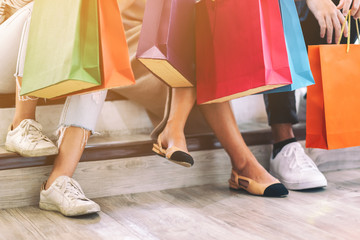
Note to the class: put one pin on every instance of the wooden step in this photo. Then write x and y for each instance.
(109, 167)
(115, 166)
(20, 187)
(8, 100)
(105, 148)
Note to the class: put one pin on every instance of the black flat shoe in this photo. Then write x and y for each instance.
(173, 154)
(275, 189)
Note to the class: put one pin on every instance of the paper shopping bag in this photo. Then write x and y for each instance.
(63, 48)
(167, 42)
(333, 103)
(114, 49)
(296, 49)
(114, 54)
(240, 49)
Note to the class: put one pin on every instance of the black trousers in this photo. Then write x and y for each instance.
(281, 107)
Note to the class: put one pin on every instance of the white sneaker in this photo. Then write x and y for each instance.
(28, 140)
(295, 169)
(66, 196)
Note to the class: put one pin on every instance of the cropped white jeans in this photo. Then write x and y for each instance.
(79, 111)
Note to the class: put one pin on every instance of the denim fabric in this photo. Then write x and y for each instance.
(281, 108)
(302, 9)
(83, 110)
(80, 110)
(11, 32)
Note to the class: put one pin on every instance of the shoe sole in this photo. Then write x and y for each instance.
(51, 207)
(156, 150)
(301, 186)
(33, 153)
(239, 188)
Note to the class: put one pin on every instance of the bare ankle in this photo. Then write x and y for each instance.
(52, 179)
(172, 131)
(48, 184)
(239, 165)
(16, 122)
(173, 136)
(242, 160)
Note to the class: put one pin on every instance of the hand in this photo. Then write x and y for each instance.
(329, 18)
(345, 6)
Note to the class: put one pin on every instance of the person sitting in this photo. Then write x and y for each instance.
(79, 116)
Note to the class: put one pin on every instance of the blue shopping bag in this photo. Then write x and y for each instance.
(298, 58)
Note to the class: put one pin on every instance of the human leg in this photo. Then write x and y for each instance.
(281, 112)
(171, 141)
(24, 135)
(244, 164)
(11, 32)
(60, 192)
(289, 163)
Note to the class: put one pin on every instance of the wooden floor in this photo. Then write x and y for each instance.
(203, 212)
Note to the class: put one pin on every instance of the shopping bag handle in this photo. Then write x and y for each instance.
(348, 21)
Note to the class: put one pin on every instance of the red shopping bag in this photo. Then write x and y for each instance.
(240, 49)
(114, 54)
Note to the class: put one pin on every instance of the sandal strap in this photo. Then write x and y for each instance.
(169, 151)
(253, 187)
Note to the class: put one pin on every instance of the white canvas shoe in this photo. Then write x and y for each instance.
(28, 140)
(295, 169)
(66, 196)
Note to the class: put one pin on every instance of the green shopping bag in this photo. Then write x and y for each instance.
(63, 48)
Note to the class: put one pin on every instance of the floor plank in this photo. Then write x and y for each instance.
(33, 223)
(203, 212)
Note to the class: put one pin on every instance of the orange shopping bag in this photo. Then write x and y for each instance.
(114, 54)
(333, 103)
(116, 66)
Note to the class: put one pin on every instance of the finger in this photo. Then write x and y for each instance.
(322, 24)
(355, 7)
(342, 21)
(329, 30)
(357, 15)
(337, 28)
(346, 7)
(341, 4)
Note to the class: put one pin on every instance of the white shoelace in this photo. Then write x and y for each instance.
(301, 161)
(34, 132)
(71, 190)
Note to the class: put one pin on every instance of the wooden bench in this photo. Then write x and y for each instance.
(8, 100)
(116, 150)
(117, 162)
